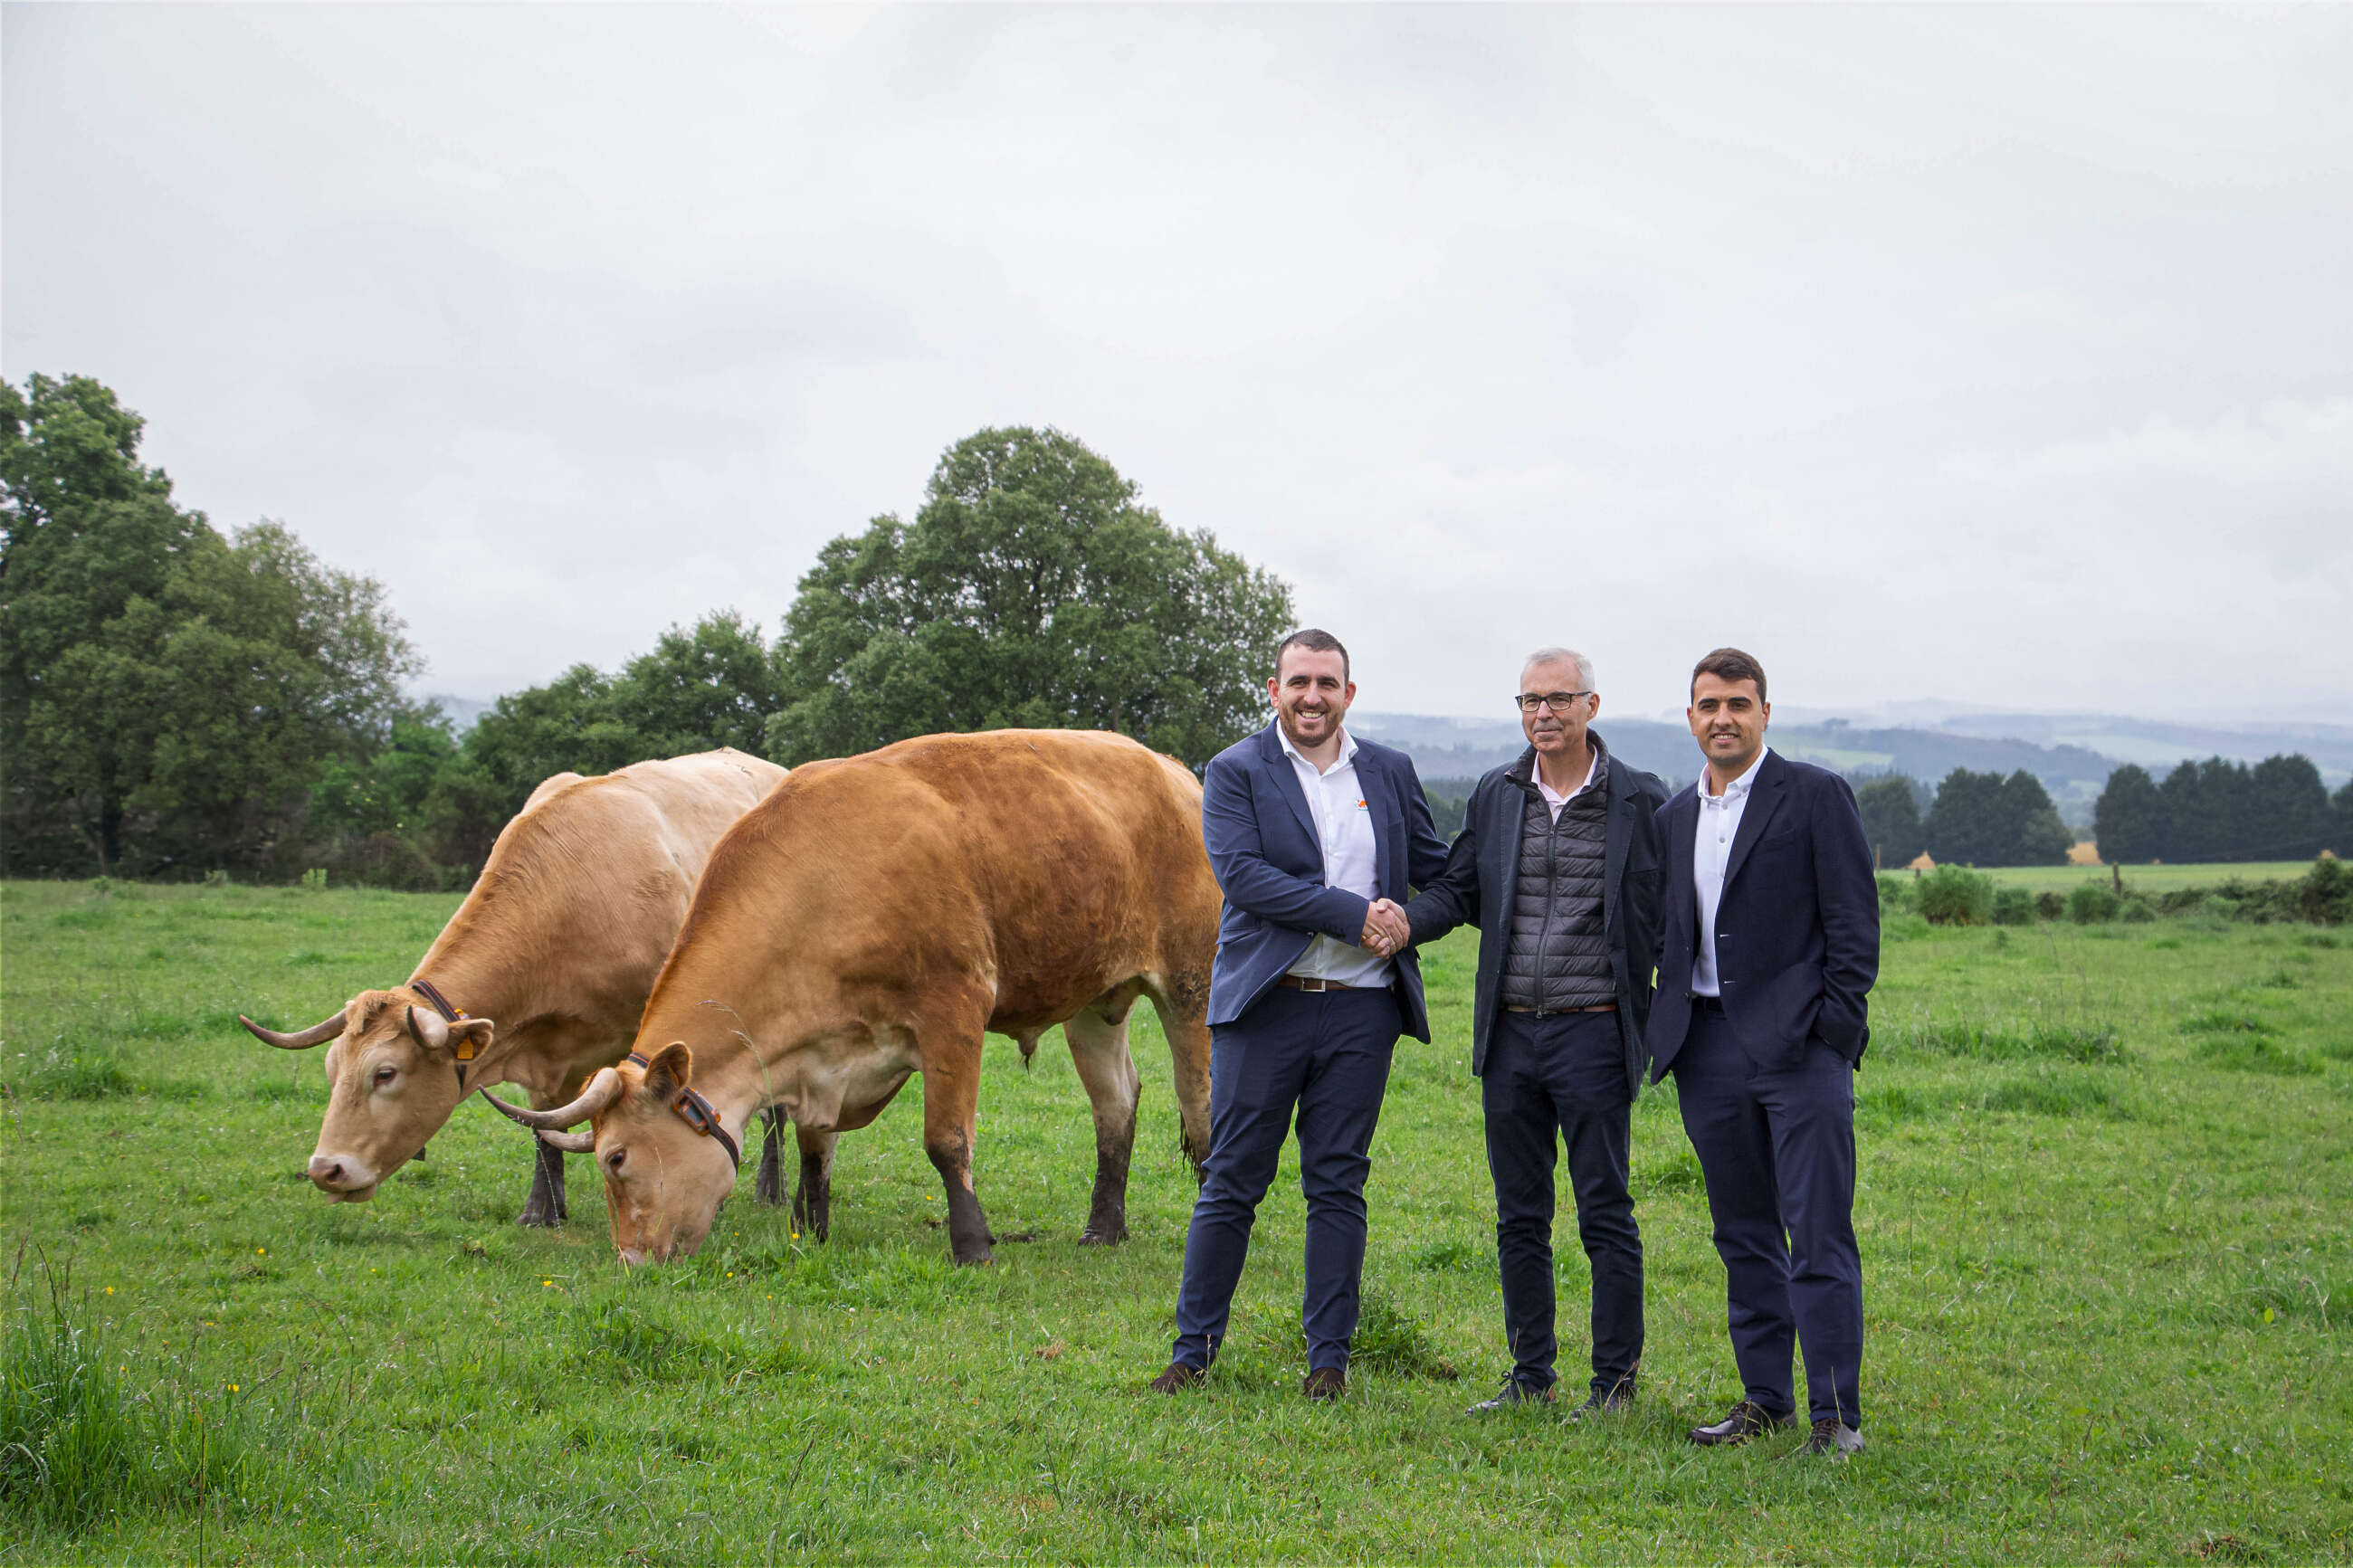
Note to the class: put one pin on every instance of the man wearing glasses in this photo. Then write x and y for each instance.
(1558, 865)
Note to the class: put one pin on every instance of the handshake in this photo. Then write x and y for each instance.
(1386, 930)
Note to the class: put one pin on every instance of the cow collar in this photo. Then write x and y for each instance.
(463, 1047)
(697, 1113)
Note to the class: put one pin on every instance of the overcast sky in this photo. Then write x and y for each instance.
(1996, 355)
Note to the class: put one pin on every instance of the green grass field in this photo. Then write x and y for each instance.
(2147, 878)
(2106, 1181)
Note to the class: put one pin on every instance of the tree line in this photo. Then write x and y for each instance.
(2278, 809)
(2216, 810)
(1971, 819)
(175, 701)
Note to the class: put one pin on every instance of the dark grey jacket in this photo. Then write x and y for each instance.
(1481, 878)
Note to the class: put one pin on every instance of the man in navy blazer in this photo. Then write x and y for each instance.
(1316, 837)
(1769, 946)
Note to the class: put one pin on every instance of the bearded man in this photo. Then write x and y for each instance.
(1314, 836)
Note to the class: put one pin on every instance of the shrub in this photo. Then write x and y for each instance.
(2013, 907)
(1950, 895)
(1895, 893)
(2050, 906)
(2325, 896)
(2091, 904)
(2135, 912)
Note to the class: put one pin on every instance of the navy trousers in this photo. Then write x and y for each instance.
(1777, 1148)
(1551, 1082)
(1324, 1056)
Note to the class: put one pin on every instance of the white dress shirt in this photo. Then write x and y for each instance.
(1553, 797)
(1719, 825)
(1344, 826)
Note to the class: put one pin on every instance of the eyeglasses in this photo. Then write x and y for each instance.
(1558, 701)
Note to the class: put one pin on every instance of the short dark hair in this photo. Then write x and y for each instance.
(1314, 640)
(1730, 663)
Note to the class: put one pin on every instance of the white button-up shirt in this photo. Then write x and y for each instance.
(1719, 825)
(1344, 826)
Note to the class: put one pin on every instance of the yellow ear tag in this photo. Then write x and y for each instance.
(466, 1048)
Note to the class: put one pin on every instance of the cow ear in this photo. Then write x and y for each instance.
(469, 1037)
(667, 1073)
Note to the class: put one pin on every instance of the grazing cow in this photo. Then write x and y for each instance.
(540, 976)
(869, 921)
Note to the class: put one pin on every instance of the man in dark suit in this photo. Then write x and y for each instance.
(1769, 949)
(1307, 828)
(1558, 865)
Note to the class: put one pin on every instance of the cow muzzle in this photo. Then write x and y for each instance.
(343, 1178)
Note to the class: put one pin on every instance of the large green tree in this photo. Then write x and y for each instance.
(2128, 819)
(1891, 820)
(167, 696)
(2287, 811)
(1984, 819)
(1032, 590)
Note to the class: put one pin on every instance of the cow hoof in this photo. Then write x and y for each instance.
(540, 1220)
(975, 1259)
(1096, 1236)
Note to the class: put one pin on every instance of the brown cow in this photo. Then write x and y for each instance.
(547, 962)
(869, 921)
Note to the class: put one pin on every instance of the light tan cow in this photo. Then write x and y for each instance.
(869, 921)
(547, 962)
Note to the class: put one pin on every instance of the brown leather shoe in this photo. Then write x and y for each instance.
(1325, 1384)
(1747, 1419)
(1177, 1378)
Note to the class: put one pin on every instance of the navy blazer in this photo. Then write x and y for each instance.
(1797, 930)
(1270, 864)
(1483, 874)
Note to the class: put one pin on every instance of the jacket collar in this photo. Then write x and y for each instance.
(1523, 771)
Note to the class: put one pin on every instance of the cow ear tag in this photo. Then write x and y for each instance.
(466, 1048)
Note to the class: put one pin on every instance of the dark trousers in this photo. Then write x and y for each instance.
(1562, 1079)
(1325, 1055)
(1777, 1148)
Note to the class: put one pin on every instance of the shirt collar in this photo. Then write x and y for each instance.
(1739, 788)
(1347, 749)
(1596, 771)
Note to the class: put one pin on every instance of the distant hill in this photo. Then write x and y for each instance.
(2072, 755)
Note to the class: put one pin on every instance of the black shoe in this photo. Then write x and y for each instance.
(1831, 1439)
(1749, 1419)
(1178, 1377)
(1515, 1395)
(1325, 1384)
(1615, 1400)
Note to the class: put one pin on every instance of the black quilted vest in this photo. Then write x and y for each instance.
(1558, 955)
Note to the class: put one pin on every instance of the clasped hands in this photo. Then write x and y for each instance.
(1386, 931)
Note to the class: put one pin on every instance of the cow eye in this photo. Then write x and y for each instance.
(385, 1074)
(613, 1161)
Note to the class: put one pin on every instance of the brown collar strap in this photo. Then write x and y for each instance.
(697, 1113)
(463, 1047)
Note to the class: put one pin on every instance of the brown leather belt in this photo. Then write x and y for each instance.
(1556, 1012)
(1300, 982)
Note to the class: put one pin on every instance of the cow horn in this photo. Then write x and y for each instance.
(302, 1041)
(432, 1031)
(570, 1143)
(602, 1090)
